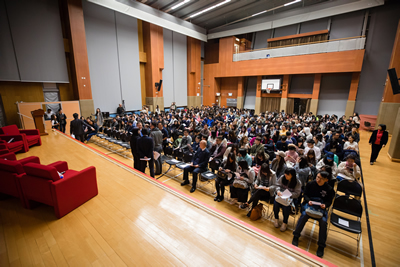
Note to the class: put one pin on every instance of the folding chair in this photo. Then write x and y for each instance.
(348, 206)
(350, 188)
(206, 178)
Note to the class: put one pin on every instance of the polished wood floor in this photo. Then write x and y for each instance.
(135, 221)
(382, 189)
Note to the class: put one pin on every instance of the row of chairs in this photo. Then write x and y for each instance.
(114, 141)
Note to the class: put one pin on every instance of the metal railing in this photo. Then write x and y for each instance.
(327, 46)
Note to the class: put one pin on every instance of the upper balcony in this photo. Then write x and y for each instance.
(325, 46)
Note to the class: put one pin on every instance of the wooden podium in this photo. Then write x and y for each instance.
(38, 119)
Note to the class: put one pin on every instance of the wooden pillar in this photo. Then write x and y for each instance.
(315, 94)
(154, 47)
(285, 92)
(351, 101)
(240, 93)
(79, 57)
(391, 103)
(193, 72)
(258, 96)
(143, 60)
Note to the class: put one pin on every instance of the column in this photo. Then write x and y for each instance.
(258, 96)
(240, 96)
(391, 103)
(389, 110)
(154, 47)
(285, 91)
(315, 94)
(194, 72)
(79, 60)
(351, 101)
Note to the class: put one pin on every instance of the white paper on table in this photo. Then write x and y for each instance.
(156, 155)
(316, 203)
(286, 194)
(145, 159)
(344, 222)
(209, 174)
(175, 161)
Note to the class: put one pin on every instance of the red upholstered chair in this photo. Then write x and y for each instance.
(10, 175)
(42, 184)
(32, 137)
(18, 144)
(6, 154)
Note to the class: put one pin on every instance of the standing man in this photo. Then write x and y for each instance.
(157, 136)
(120, 110)
(76, 128)
(145, 147)
(62, 119)
(134, 141)
(199, 165)
(164, 133)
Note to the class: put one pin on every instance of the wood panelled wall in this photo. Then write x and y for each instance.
(228, 85)
(335, 62)
(11, 92)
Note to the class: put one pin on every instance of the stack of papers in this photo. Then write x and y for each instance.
(286, 194)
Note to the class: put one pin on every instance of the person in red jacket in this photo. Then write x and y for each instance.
(378, 139)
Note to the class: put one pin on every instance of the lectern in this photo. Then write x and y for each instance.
(38, 119)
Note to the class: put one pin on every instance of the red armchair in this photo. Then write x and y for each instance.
(42, 184)
(6, 154)
(29, 137)
(10, 175)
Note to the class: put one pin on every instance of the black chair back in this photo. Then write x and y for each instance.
(214, 164)
(352, 188)
(187, 157)
(348, 205)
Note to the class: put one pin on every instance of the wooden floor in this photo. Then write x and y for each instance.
(135, 221)
(341, 250)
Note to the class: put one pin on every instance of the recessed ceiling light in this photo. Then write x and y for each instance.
(210, 8)
(259, 13)
(180, 4)
(291, 3)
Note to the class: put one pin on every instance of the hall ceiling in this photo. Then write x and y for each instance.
(224, 14)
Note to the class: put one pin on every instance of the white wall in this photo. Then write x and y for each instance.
(113, 52)
(175, 68)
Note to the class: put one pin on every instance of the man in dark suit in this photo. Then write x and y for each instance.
(199, 165)
(145, 148)
(134, 141)
(76, 128)
(62, 120)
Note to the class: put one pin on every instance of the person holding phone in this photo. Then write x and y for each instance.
(228, 167)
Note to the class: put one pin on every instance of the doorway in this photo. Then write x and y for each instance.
(301, 105)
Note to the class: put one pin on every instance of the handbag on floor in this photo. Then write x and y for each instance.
(257, 212)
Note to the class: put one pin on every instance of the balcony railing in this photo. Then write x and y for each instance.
(337, 45)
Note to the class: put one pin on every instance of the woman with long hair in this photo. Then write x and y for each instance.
(265, 181)
(244, 143)
(303, 171)
(290, 182)
(246, 174)
(99, 117)
(228, 167)
(311, 158)
(278, 165)
(243, 132)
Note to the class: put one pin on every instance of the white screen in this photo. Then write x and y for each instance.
(271, 84)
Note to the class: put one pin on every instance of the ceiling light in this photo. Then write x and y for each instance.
(181, 3)
(291, 3)
(210, 8)
(259, 13)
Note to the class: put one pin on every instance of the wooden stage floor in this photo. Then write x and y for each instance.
(136, 221)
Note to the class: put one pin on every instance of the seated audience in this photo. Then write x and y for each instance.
(245, 178)
(228, 169)
(263, 185)
(198, 165)
(303, 171)
(278, 165)
(318, 191)
(257, 147)
(290, 182)
(291, 154)
(349, 168)
(311, 145)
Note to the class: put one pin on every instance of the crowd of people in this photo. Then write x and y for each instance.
(266, 156)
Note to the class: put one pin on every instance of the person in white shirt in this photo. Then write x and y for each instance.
(310, 145)
(349, 168)
(351, 144)
(48, 114)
